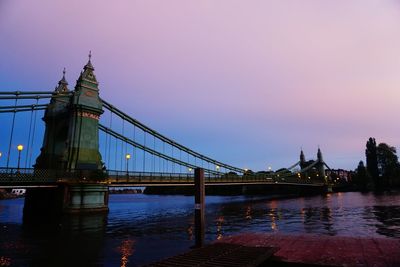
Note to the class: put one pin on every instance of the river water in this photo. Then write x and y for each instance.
(140, 228)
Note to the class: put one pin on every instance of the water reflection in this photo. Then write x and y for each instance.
(64, 241)
(190, 230)
(273, 217)
(219, 222)
(248, 213)
(126, 249)
(5, 261)
(318, 218)
(141, 229)
(388, 220)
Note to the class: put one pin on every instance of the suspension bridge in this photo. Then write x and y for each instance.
(86, 144)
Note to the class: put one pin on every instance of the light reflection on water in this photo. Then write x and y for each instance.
(140, 228)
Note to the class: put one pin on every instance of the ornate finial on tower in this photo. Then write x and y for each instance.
(62, 84)
(89, 64)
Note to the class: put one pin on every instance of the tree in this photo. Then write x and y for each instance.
(361, 178)
(388, 164)
(372, 161)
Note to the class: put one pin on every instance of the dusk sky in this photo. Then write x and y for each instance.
(245, 82)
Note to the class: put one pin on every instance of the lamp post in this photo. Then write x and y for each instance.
(20, 148)
(127, 156)
(217, 168)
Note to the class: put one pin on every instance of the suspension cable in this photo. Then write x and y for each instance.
(122, 145)
(33, 135)
(109, 143)
(29, 139)
(147, 149)
(154, 157)
(144, 152)
(133, 148)
(11, 136)
(167, 140)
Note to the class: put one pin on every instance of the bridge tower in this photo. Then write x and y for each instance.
(321, 164)
(53, 154)
(302, 159)
(71, 147)
(85, 111)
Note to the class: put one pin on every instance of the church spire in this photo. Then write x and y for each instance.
(62, 85)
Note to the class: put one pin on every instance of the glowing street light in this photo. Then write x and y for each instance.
(20, 148)
(217, 168)
(127, 156)
(190, 169)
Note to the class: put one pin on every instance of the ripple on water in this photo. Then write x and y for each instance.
(138, 225)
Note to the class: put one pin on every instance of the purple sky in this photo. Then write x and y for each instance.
(245, 82)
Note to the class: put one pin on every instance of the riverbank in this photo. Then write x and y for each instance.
(323, 250)
(5, 195)
(125, 191)
(261, 249)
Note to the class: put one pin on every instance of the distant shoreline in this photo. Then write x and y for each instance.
(125, 191)
(4, 195)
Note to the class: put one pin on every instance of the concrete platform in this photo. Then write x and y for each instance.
(321, 250)
(219, 255)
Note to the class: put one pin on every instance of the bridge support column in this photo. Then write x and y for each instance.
(66, 198)
(86, 198)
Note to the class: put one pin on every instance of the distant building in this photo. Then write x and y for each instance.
(18, 192)
(340, 173)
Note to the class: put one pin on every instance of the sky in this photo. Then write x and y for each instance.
(248, 83)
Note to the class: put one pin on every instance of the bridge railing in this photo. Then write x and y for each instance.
(9, 176)
(19, 175)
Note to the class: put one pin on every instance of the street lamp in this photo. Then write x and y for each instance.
(127, 156)
(20, 148)
(217, 167)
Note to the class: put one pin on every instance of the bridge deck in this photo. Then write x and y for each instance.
(31, 177)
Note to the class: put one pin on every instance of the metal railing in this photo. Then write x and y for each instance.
(18, 176)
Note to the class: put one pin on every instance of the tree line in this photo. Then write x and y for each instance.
(382, 168)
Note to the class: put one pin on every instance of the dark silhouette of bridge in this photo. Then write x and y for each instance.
(89, 144)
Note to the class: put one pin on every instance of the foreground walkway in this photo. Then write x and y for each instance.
(218, 255)
(323, 250)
